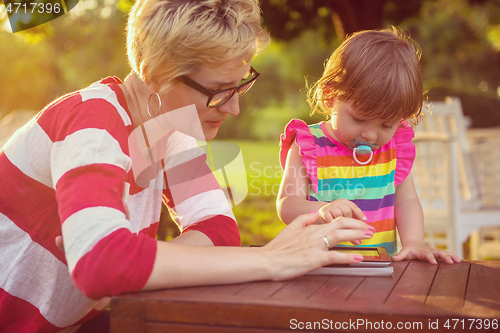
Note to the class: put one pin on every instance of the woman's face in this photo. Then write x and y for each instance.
(227, 75)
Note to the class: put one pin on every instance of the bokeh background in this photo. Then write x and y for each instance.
(460, 41)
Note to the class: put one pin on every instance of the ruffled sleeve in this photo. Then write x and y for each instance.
(405, 152)
(297, 130)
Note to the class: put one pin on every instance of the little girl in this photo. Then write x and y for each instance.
(358, 163)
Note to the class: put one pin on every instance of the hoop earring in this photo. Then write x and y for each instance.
(159, 107)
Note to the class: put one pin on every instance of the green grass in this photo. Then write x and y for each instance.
(256, 214)
(255, 210)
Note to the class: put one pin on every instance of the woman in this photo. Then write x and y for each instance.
(71, 171)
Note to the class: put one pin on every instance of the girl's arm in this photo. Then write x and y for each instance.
(410, 222)
(292, 196)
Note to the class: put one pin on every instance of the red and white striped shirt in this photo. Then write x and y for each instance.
(68, 171)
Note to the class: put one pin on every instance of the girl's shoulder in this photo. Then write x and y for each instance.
(302, 134)
(404, 135)
(299, 132)
(298, 128)
(405, 152)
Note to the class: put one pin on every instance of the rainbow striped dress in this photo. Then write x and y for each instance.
(334, 174)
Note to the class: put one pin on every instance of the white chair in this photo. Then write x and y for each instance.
(448, 180)
(485, 244)
(434, 174)
(485, 145)
(447, 117)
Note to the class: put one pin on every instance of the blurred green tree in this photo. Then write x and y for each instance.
(461, 54)
(63, 55)
(460, 39)
(286, 19)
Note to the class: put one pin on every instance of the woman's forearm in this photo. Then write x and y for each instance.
(178, 265)
(194, 238)
(296, 250)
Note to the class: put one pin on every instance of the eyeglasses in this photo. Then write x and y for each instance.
(218, 97)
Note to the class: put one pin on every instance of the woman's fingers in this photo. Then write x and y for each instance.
(349, 223)
(344, 258)
(357, 242)
(328, 216)
(304, 220)
(301, 247)
(347, 229)
(347, 235)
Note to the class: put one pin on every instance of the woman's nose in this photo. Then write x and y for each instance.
(232, 106)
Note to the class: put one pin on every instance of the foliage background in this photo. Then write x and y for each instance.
(460, 40)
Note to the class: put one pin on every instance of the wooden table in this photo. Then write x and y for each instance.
(420, 297)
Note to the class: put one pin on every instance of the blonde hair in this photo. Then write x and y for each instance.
(378, 72)
(170, 38)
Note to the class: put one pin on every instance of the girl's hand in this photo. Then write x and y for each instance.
(339, 208)
(418, 250)
(300, 247)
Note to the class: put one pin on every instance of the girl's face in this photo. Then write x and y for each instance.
(348, 125)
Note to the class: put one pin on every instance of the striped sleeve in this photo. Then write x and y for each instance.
(90, 162)
(194, 195)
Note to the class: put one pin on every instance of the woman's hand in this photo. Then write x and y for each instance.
(300, 247)
(418, 250)
(339, 208)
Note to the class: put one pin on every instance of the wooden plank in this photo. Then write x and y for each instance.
(127, 326)
(375, 289)
(410, 292)
(169, 328)
(483, 290)
(271, 316)
(229, 289)
(419, 292)
(448, 289)
(336, 290)
(301, 288)
(194, 290)
(125, 307)
(128, 315)
(263, 289)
